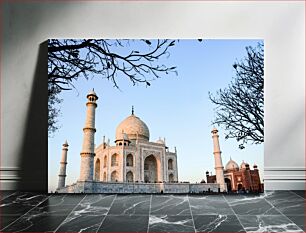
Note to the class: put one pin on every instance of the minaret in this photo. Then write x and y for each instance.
(88, 149)
(218, 160)
(63, 163)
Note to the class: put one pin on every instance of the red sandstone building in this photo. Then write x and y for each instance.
(239, 178)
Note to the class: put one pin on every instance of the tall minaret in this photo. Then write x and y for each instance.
(218, 160)
(88, 149)
(63, 163)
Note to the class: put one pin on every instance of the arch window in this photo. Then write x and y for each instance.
(115, 160)
(104, 177)
(129, 160)
(97, 170)
(170, 164)
(105, 161)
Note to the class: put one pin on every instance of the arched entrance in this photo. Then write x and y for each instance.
(114, 176)
(239, 187)
(171, 178)
(228, 184)
(97, 170)
(129, 177)
(150, 169)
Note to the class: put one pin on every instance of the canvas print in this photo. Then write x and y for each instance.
(179, 116)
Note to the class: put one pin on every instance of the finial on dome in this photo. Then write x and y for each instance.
(132, 110)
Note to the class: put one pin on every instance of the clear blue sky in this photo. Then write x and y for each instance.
(174, 107)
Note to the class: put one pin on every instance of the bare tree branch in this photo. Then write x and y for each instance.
(240, 107)
(70, 59)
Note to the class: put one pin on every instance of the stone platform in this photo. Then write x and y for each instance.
(129, 187)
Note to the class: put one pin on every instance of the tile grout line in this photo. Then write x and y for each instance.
(283, 214)
(234, 213)
(106, 213)
(69, 213)
(149, 213)
(25, 213)
(297, 194)
(191, 214)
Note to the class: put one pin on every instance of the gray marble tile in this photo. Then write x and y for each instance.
(130, 204)
(166, 223)
(272, 223)
(126, 223)
(217, 223)
(209, 205)
(20, 203)
(299, 220)
(51, 212)
(58, 205)
(170, 205)
(95, 204)
(286, 202)
(301, 193)
(81, 223)
(35, 223)
(6, 220)
(250, 205)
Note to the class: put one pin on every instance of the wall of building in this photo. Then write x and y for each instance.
(99, 187)
(25, 27)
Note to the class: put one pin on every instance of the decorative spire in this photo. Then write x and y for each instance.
(65, 143)
(132, 110)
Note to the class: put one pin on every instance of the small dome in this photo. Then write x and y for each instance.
(92, 93)
(214, 130)
(231, 165)
(132, 126)
(160, 141)
(243, 165)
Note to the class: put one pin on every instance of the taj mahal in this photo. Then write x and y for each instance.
(134, 164)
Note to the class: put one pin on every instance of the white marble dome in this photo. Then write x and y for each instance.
(231, 164)
(131, 126)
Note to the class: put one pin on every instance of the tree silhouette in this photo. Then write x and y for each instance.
(70, 59)
(240, 106)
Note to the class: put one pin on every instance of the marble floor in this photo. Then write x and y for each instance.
(273, 211)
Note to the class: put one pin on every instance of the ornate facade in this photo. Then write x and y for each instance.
(133, 158)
